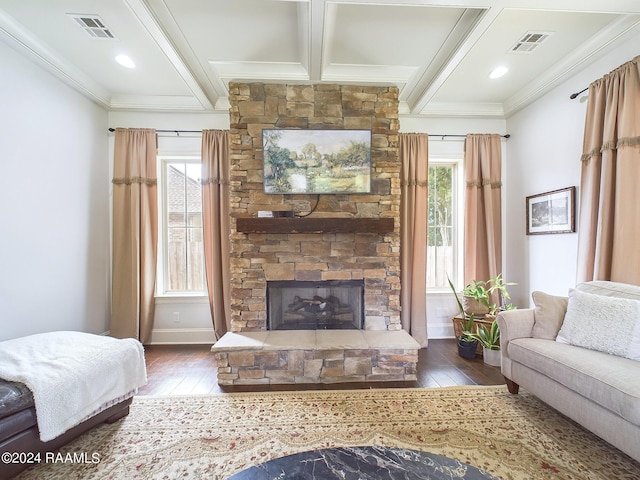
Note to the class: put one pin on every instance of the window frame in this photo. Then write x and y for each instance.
(163, 244)
(456, 161)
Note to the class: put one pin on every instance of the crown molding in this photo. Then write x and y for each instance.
(155, 102)
(463, 110)
(367, 74)
(280, 71)
(24, 42)
(595, 47)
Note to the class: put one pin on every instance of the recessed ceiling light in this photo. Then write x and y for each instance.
(498, 72)
(125, 61)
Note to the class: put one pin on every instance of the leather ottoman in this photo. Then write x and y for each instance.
(17, 411)
(19, 428)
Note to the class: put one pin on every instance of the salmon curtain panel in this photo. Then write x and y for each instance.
(135, 233)
(483, 211)
(609, 220)
(216, 229)
(414, 160)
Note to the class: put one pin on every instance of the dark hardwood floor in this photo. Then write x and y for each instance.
(192, 369)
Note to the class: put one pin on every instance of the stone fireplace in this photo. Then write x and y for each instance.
(340, 241)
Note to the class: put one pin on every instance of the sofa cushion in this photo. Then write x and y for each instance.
(549, 314)
(610, 289)
(603, 323)
(602, 378)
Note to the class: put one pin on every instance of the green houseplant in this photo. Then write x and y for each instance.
(467, 344)
(477, 296)
(489, 338)
(487, 334)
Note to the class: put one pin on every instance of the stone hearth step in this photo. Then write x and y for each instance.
(315, 356)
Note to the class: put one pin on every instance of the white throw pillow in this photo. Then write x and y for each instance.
(606, 324)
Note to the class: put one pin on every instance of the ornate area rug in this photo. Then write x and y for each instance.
(215, 436)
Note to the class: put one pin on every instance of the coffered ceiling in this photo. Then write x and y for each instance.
(438, 52)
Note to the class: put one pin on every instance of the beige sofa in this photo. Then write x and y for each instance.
(580, 354)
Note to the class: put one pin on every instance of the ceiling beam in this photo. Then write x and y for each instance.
(318, 25)
(212, 86)
(431, 69)
(450, 65)
(148, 21)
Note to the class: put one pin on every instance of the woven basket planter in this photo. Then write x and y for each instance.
(472, 306)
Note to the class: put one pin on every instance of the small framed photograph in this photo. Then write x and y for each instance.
(552, 212)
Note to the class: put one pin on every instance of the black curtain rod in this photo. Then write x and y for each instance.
(177, 132)
(508, 135)
(574, 95)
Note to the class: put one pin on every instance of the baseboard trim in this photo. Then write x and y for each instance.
(182, 336)
(440, 330)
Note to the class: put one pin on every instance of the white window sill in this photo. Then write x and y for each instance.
(181, 298)
(439, 293)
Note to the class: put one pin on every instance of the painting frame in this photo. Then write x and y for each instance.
(551, 212)
(314, 161)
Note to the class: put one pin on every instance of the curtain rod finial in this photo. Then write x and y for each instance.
(574, 95)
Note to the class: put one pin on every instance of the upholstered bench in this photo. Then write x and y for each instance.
(95, 376)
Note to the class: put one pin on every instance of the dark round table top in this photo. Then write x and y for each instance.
(363, 463)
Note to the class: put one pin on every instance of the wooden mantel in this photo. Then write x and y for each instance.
(314, 225)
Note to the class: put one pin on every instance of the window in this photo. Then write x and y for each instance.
(182, 260)
(443, 229)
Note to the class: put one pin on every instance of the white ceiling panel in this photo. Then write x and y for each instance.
(470, 82)
(389, 34)
(239, 30)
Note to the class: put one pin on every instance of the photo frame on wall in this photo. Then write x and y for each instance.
(552, 212)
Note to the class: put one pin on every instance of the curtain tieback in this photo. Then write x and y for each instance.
(210, 180)
(132, 180)
(413, 183)
(483, 183)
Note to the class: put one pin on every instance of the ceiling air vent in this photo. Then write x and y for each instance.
(93, 25)
(529, 42)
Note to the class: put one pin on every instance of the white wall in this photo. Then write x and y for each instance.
(54, 245)
(544, 154)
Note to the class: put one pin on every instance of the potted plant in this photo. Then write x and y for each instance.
(467, 344)
(477, 296)
(489, 338)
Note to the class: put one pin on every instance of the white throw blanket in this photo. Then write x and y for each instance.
(72, 375)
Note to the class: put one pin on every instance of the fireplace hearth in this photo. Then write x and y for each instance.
(321, 305)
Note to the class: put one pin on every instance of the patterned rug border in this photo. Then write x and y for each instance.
(297, 393)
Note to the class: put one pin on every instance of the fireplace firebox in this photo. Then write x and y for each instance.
(321, 305)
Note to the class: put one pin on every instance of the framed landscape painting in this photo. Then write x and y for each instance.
(552, 212)
(316, 161)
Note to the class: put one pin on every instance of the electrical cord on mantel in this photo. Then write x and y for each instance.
(312, 210)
